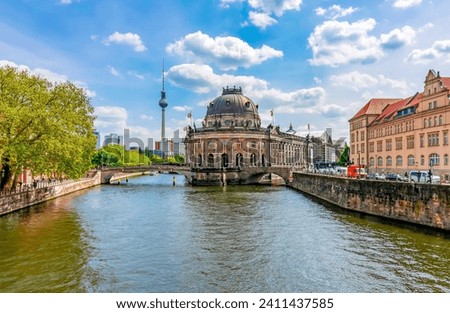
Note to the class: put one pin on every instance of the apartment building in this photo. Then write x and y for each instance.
(400, 135)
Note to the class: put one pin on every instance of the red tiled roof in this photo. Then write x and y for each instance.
(415, 101)
(446, 81)
(392, 109)
(374, 106)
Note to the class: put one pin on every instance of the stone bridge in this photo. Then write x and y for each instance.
(110, 175)
(271, 175)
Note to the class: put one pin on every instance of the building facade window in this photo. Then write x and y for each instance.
(441, 120)
(380, 161)
(433, 139)
(410, 142)
(389, 161)
(371, 147)
(445, 135)
(411, 160)
(372, 161)
(422, 140)
(445, 159)
(398, 143)
(434, 159)
(399, 160)
(388, 144)
(379, 145)
(422, 160)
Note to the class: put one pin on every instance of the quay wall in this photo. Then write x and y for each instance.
(421, 204)
(22, 199)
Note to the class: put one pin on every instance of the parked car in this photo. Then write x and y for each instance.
(423, 177)
(396, 177)
(376, 176)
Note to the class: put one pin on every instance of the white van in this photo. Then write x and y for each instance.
(423, 177)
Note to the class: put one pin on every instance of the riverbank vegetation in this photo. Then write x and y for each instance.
(46, 128)
(115, 155)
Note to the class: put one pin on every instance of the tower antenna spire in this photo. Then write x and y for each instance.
(163, 76)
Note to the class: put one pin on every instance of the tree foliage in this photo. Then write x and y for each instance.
(115, 155)
(44, 127)
(344, 159)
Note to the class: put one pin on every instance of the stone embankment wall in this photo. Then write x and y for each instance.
(19, 200)
(422, 204)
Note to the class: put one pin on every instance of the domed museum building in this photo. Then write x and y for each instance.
(231, 147)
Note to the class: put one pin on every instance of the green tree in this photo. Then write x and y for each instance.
(154, 158)
(344, 159)
(44, 127)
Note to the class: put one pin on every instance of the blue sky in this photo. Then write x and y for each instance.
(313, 62)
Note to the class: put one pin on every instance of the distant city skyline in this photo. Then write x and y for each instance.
(311, 62)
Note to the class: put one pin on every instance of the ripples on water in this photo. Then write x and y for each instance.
(148, 236)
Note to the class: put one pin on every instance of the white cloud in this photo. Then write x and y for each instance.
(275, 7)
(425, 27)
(228, 53)
(334, 43)
(67, 1)
(404, 4)
(146, 117)
(261, 15)
(226, 3)
(110, 119)
(202, 79)
(113, 71)
(398, 37)
(334, 12)
(361, 81)
(137, 75)
(184, 108)
(423, 56)
(261, 20)
(130, 39)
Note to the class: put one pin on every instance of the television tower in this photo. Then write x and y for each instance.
(163, 104)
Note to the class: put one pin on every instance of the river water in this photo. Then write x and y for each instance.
(150, 236)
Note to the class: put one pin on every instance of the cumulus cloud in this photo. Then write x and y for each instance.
(334, 43)
(261, 15)
(275, 7)
(423, 56)
(183, 108)
(361, 81)
(398, 37)
(202, 79)
(334, 12)
(404, 4)
(261, 20)
(129, 39)
(110, 119)
(228, 53)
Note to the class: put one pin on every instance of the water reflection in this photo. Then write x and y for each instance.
(150, 236)
(43, 250)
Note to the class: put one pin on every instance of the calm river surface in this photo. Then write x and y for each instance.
(149, 236)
